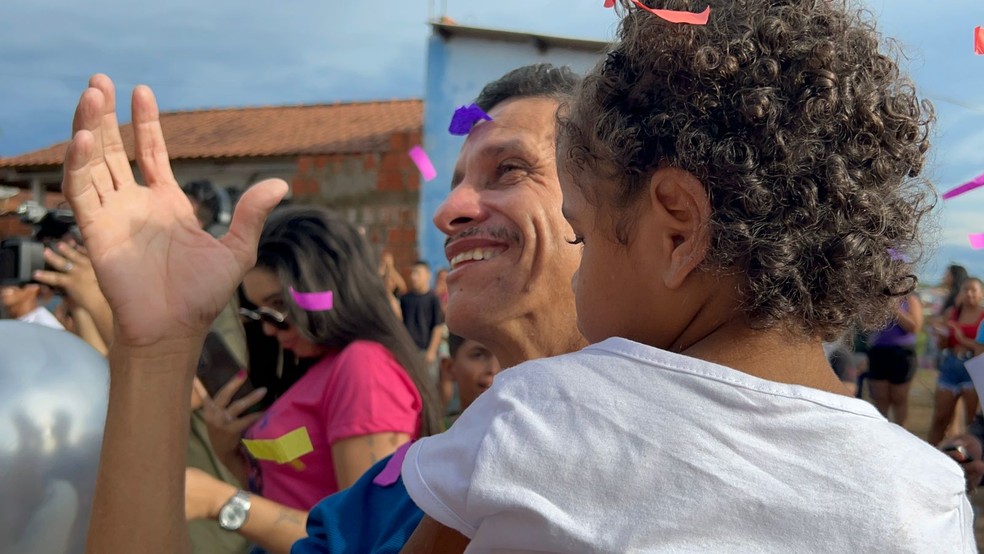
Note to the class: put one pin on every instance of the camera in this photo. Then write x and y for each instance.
(20, 257)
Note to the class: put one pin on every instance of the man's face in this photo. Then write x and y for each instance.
(507, 239)
(420, 278)
(15, 296)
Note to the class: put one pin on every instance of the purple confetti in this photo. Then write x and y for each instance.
(898, 256)
(465, 118)
(391, 472)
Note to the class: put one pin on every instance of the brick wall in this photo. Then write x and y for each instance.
(379, 191)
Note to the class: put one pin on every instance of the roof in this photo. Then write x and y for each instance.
(269, 131)
(542, 42)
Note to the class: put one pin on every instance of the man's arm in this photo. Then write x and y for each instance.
(165, 280)
(136, 504)
(437, 335)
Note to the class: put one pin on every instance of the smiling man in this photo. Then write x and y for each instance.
(512, 294)
(511, 265)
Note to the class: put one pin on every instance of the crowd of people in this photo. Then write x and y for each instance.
(656, 253)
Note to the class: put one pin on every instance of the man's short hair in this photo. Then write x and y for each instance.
(422, 263)
(530, 81)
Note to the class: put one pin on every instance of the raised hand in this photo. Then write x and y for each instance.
(164, 277)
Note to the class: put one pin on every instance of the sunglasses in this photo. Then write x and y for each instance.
(266, 315)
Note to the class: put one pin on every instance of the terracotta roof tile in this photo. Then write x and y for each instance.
(266, 131)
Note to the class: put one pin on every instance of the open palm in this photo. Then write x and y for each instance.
(164, 277)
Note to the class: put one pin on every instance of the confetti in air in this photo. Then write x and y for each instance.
(465, 118)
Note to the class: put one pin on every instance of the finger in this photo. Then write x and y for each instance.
(54, 259)
(76, 184)
(229, 389)
(201, 391)
(68, 252)
(51, 278)
(87, 117)
(247, 221)
(246, 402)
(242, 424)
(151, 151)
(112, 142)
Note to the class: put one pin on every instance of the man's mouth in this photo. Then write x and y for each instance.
(475, 255)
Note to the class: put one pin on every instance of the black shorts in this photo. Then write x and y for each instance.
(895, 364)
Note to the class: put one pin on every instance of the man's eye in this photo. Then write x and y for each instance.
(510, 170)
(576, 240)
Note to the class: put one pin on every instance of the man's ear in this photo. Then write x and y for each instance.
(446, 365)
(682, 212)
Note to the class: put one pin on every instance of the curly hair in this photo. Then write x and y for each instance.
(808, 140)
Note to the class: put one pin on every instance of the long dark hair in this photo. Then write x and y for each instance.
(313, 249)
(958, 274)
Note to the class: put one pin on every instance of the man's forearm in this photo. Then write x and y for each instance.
(437, 335)
(139, 499)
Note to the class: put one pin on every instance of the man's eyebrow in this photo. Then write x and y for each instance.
(495, 150)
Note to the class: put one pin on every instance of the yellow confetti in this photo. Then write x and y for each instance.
(282, 450)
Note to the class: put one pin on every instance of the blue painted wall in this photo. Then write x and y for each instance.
(457, 69)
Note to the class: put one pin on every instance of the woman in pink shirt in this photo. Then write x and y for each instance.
(364, 397)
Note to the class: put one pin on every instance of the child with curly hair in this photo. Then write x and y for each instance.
(742, 191)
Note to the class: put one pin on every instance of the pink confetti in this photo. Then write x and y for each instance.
(423, 163)
(976, 240)
(391, 472)
(673, 16)
(966, 187)
(313, 301)
(979, 41)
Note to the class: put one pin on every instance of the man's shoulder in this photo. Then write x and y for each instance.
(41, 316)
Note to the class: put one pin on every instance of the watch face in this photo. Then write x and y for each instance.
(232, 516)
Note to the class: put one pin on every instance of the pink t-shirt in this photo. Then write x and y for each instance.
(361, 390)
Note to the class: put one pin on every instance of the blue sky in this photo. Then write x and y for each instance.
(224, 53)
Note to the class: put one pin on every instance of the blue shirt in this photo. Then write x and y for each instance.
(366, 517)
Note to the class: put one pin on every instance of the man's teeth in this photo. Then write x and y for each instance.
(474, 255)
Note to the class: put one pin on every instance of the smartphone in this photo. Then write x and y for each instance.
(963, 452)
(217, 365)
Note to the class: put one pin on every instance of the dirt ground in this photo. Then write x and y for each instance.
(920, 415)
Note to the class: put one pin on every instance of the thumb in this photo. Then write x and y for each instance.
(247, 221)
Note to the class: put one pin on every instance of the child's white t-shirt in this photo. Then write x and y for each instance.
(626, 448)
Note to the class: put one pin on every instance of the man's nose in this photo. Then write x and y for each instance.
(268, 329)
(461, 208)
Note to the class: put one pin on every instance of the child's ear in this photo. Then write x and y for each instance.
(446, 365)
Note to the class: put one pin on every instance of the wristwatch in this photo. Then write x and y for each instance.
(233, 514)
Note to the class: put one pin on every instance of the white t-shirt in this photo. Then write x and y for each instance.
(626, 448)
(41, 316)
